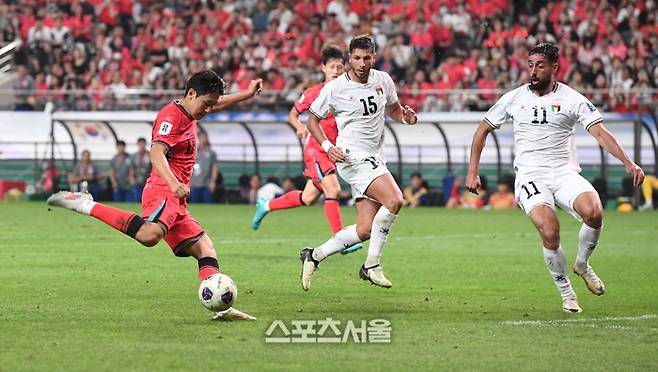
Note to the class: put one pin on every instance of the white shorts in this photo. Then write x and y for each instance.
(359, 174)
(551, 189)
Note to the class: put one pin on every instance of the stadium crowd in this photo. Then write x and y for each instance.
(86, 54)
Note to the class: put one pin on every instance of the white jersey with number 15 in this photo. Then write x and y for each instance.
(359, 110)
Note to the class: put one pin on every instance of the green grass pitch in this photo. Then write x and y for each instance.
(470, 292)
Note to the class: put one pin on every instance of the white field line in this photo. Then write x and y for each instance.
(579, 322)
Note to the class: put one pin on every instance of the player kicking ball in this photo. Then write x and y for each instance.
(320, 169)
(164, 200)
(544, 114)
(359, 99)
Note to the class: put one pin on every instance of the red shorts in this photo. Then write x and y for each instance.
(318, 165)
(160, 205)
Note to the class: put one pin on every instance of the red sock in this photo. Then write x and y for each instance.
(124, 221)
(207, 266)
(292, 199)
(334, 217)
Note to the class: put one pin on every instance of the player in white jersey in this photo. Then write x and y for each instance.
(359, 99)
(544, 114)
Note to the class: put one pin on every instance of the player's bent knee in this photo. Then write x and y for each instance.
(331, 193)
(594, 218)
(550, 235)
(363, 232)
(150, 234)
(394, 204)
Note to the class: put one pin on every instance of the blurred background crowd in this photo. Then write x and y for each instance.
(128, 54)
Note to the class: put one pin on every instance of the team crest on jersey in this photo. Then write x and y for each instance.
(165, 128)
(555, 108)
(591, 107)
(379, 90)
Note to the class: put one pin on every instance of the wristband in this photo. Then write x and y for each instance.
(326, 145)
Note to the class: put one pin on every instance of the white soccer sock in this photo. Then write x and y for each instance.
(344, 238)
(381, 225)
(556, 262)
(588, 238)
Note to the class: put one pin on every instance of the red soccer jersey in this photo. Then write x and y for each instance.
(328, 124)
(176, 130)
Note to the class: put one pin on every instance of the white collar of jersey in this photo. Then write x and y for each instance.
(556, 85)
(347, 76)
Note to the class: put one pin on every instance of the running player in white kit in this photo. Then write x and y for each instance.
(359, 99)
(544, 114)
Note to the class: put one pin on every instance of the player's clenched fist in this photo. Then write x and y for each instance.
(473, 183)
(336, 154)
(181, 190)
(255, 87)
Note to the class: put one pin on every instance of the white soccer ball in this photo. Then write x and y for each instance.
(218, 292)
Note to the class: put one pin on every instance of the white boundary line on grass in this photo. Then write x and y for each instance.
(578, 322)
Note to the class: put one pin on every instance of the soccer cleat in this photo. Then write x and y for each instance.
(260, 213)
(80, 202)
(232, 314)
(375, 275)
(309, 265)
(570, 305)
(593, 282)
(351, 249)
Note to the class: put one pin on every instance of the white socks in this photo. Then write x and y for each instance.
(588, 238)
(381, 225)
(345, 238)
(556, 262)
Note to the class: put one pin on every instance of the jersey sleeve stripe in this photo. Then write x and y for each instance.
(590, 125)
(316, 114)
(490, 124)
(165, 144)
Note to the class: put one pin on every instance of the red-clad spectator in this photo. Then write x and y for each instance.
(360, 7)
(498, 37)
(305, 10)
(487, 81)
(420, 36)
(27, 20)
(107, 11)
(396, 9)
(454, 70)
(617, 48)
(441, 33)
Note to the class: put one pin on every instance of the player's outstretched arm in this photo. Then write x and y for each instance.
(479, 139)
(159, 162)
(402, 114)
(335, 154)
(293, 119)
(224, 102)
(611, 145)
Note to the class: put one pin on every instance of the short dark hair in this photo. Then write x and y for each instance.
(330, 52)
(141, 139)
(550, 51)
(364, 42)
(205, 82)
(416, 174)
(121, 143)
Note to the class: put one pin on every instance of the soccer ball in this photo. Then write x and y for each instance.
(217, 292)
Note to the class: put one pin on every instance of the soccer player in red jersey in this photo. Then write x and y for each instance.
(173, 154)
(320, 170)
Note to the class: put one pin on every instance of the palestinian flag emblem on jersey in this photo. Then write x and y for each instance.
(555, 107)
(379, 90)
